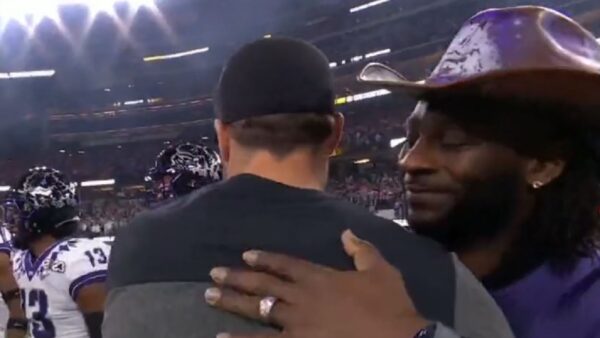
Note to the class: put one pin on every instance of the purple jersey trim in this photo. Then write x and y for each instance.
(85, 280)
(6, 249)
(32, 265)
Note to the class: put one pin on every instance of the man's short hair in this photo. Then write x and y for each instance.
(281, 134)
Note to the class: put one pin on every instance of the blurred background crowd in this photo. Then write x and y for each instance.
(100, 94)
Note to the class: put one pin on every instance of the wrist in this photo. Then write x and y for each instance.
(410, 327)
(17, 324)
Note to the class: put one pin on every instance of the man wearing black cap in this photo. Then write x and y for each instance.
(276, 129)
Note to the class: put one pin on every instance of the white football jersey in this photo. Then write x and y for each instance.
(50, 285)
(5, 248)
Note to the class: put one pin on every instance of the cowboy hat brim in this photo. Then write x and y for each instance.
(574, 89)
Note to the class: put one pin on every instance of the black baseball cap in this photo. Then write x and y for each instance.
(275, 76)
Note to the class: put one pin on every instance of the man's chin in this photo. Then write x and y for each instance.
(478, 215)
(459, 234)
(423, 219)
(431, 225)
(424, 228)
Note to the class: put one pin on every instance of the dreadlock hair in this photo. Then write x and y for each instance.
(567, 219)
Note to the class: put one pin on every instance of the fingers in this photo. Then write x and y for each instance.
(365, 255)
(290, 268)
(244, 305)
(247, 306)
(254, 283)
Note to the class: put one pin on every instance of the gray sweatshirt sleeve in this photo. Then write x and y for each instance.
(476, 313)
(442, 331)
(445, 332)
(164, 310)
(169, 310)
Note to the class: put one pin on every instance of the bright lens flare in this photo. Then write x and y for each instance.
(21, 10)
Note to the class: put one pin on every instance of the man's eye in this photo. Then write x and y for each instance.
(454, 142)
(455, 139)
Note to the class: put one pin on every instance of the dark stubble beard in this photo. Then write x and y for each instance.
(485, 211)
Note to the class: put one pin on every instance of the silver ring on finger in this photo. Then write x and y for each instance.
(266, 306)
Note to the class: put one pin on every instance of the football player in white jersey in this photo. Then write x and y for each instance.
(13, 323)
(61, 277)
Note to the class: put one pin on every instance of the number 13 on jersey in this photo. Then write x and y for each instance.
(36, 302)
(96, 256)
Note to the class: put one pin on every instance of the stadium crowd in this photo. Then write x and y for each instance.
(374, 190)
(105, 216)
(369, 129)
(370, 126)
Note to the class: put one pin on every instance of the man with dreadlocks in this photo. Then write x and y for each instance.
(500, 166)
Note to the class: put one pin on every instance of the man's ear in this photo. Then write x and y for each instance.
(543, 172)
(224, 139)
(338, 132)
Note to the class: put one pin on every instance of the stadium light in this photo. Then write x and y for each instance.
(370, 95)
(359, 58)
(98, 183)
(367, 5)
(377, 53)
(356, 58)
(27, 74)
(363, 161)
(140, 3)
(133, 102)
(176, 55)
(401, 222)
(33, 73)
(19, 9)
(362, 96)
(4, 188)
(397, 141)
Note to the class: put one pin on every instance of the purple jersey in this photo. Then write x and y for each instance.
(551, 304)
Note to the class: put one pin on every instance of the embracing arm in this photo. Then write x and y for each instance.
(319, 302)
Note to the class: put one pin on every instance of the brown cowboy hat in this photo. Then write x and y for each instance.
(529, 54)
